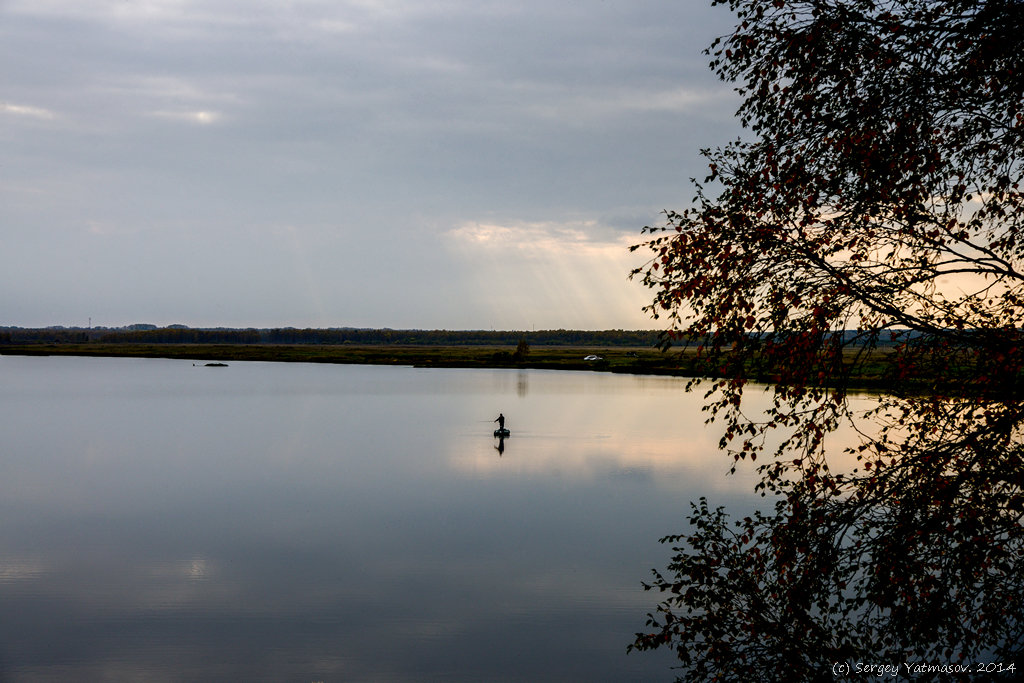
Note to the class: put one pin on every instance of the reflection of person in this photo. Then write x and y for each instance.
(501, 421)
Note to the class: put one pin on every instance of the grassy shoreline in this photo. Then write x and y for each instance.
(679, 362)
(613, 359)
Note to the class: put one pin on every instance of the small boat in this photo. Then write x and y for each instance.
(216, 365)
(502, 432)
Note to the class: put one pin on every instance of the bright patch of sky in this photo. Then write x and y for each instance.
(464, 164)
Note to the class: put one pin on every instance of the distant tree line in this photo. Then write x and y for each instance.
(19, 335)
(183, 335)
(460, 337)
(177, 335)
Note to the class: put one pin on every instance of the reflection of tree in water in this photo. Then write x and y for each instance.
(522, 384)
(914, 557)
(870, 229)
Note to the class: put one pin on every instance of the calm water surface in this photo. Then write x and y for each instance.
(298, 522)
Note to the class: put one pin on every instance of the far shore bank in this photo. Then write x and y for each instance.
(608, 359)
(678, 362)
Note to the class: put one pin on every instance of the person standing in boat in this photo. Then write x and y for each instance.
(501, 421)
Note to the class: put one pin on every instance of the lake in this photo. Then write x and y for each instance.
(164, 521)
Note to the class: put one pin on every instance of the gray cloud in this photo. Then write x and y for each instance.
(233, 157)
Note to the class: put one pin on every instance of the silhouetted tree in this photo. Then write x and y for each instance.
(521, 352)
(876, 199)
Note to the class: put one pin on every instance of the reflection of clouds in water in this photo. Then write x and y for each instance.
(21, 569)
(197, 569)
(578, 426)
(194, 569)
(579, 458)
(93, 579)
(241, 522)
(579, 430)
(693, 466)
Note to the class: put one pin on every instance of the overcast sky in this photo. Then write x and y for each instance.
(459, 164)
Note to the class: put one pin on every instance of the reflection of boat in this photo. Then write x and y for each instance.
(502, 432)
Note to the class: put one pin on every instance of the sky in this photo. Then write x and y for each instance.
(441, 164)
